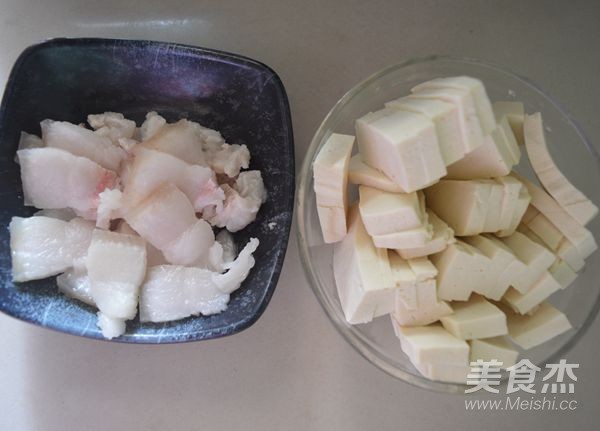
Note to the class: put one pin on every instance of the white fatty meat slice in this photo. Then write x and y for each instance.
(173, 292)
(151, 169)
(82, 142)
(166, 219)
(43, 246)
(116, 265)
(54, 178)
(242, 202)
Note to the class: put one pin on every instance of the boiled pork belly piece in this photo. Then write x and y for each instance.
(82, 142)
(230, 159)
(54, 178)
(64, 214)
(151, 125)
(154, 256)
(238, 270)
(116, 265)
(182, 140)
(28, 141)
(112, 125)
(242, 202)
(150, 169)
(228, 244)
(43, 246)
(166, 219)
(110, 205)
(172, 292)
(75, 283)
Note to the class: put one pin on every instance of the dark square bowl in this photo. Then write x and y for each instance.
(66, 79)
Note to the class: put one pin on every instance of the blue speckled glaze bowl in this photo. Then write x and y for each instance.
(66, 79)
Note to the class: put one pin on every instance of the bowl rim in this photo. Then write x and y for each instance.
(286, 204)
(347, 331)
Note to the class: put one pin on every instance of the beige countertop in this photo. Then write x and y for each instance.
(291, 370)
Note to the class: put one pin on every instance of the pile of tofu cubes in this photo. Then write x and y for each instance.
(461, 251)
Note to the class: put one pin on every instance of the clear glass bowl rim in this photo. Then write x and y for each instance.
(351, 335)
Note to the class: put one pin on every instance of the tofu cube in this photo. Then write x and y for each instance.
(432, 344)
(330, 172)
(490, 160)
(476, 89)
(476, 318)
(461, 204)
(495, 348)
(362, 274)
(402, 145)
(461, 269)
(385, 212)
(525, 302)
(442, 236)
(445, 117)
(537, 258)
(361, 173)
(470, 126)
(514, 112)
(531, 330)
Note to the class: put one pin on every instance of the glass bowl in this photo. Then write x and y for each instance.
(570, 148)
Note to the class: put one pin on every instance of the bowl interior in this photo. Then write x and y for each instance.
(66, 79)
(570, 149)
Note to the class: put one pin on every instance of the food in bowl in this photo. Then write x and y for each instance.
(461, 251)
(127, 216)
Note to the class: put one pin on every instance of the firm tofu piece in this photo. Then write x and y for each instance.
(476, 89)
(423, 269)
(445, 373)
(514, 113)
(362, 174)
(405, 282)
(542, 227)
(492, 218)
(490, 160)
(416, 298)
(565, 251)
(411, 238)
(505, 267)
(461, 204)
(476, 318)
(569, 253)
(428, 309)
(529, 215)
(498, 348)
(333, 223)
(574, 202)
(578, 235)
(534, 329)
(523, 303)
(470, 127)
(362, 274)
(461, 269)
(445, 117)
(403, 145)
(520, 208)
(510, 139)
(432, 344)
(511, 189)
(386, 213)
(330, 171)
(562, 273)
(442, 236)
(536, 257)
